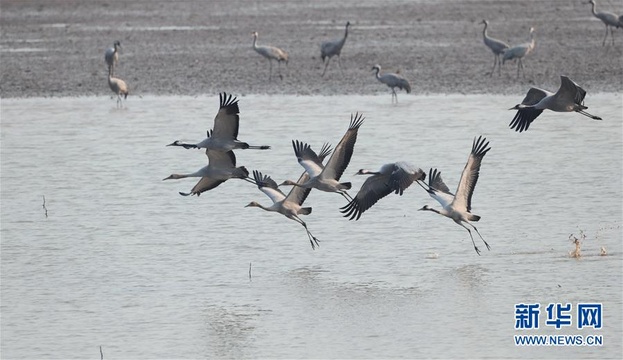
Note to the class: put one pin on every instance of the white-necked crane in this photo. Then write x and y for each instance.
(224, 137)
(118, 86)
(288, 205)
(458, 207)
(497, 47)
(609, 19)
(520, 51)
(221, 167)
(568, 98)
(395, 177)
(111, 56)
(271, 53)
(393, 81)
(331, 48)
(327, 178)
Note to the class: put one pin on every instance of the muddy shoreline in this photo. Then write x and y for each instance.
(56, 47)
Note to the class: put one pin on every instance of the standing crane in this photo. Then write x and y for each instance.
(519, 52)
(117, 86)
(224, 137)
(497, 47)
(331, 48)
(111, 56)
(271, 53)
(568, 98)
(458, 207)
(327, 178)
(392, 81)
(609, 19)
(221, 167)
(395, 177)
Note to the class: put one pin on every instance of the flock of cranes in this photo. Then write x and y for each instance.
(222, 140)
(325, 176)
(502, 52)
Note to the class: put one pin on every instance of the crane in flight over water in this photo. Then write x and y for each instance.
(327, 178)
(520, 51)
(289, 205)
(497, 47)
(117, 86)
(224, 137)
(111, 56)
(568, 98)
(221, 167)
(609, 19)
(271, 53)
(393, 81)
(458, 207)
(395, 177)
(331, 48)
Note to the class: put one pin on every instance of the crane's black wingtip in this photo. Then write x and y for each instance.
(229, 103)
(356, 120)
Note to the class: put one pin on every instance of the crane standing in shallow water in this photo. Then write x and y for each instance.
(328, 49)
(271, 53)
(392, 81)
(609, 19)
(395, 177)
(458, 207)
(568, 98)
(224, 137)
(497, 47)
(519, 52)
(117, 86)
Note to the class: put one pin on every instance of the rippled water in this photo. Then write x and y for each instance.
(124, 262)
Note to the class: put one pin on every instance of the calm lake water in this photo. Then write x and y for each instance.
(124, 262)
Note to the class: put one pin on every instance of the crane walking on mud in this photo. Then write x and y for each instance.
(609, 19)
(497, 47)
(271, 53)
(393, 81)
(328, 49)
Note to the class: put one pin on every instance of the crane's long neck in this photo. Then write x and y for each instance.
(345, 33)
(378, 70)
(255, 41)
(484, 31)
(594, 8)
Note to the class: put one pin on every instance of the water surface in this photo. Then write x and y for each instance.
(124, 262)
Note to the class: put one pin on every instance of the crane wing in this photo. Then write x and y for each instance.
(437, 189)
(298, 194)
(204, 184)
(570, 91)
(373, 189)
(268, 186)
(307, 158)
(525, 116)
(344, 150)
(469, 177)
(403, 176)
(221, 159)
(227, 121)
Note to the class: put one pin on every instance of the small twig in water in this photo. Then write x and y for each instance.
(249, 271)
(44, 208)
(101, 353)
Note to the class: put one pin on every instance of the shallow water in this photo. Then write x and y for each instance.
(124, 262)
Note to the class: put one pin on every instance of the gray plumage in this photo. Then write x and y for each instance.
(520, 51)
(118, 86)
(224, 137)
(271, 53)
(458, 207)
(289, 205)
(395, 177)
(111, 56)
(331, 48)
(497, 47)
(393, 81)
(568, 98)
(221, 167)
(609, 19)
